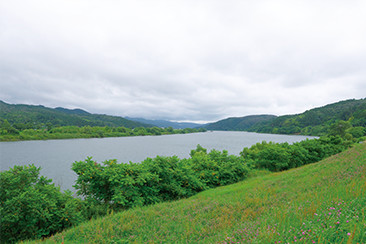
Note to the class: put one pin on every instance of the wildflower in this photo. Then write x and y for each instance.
(337, 222)
(348, 234)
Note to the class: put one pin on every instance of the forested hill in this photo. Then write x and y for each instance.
(31, 116)
(239, 124)
(317, 121)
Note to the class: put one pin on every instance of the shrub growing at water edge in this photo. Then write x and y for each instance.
(283, 156)
(156, 179)
(32, 207)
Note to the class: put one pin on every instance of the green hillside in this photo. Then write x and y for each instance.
(316, 121)
(242, 123)
(318, 203)
(23, 116)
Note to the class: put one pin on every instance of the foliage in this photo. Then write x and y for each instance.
(110, 186)
(239, 124)
(40, 117)
(8, 133)
(317, 121)
(156, 179)
(32, 207)
(339, 128)
(218, 168)
(318, 203)
(282, 156)
(7, 128)
(357, 132)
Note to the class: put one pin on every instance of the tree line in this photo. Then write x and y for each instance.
(10, 132)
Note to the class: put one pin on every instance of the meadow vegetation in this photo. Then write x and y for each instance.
(33, 206)
(322, 202)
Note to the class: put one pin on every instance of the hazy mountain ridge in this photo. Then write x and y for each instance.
(316, 121)
(72, 111)
(166, 123)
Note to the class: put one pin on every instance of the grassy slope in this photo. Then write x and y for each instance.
(323, 202)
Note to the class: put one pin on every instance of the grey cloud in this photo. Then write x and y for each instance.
(186, 60)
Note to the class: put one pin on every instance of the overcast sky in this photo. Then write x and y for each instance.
(189, 60)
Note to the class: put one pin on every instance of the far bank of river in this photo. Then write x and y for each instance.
(56, 156)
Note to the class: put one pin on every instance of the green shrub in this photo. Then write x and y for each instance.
(32, 207)
(122, 186)
(218, 168)
(357, 131)
(282, 156)
(175, 178)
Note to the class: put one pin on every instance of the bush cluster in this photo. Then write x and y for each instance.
(156, 179)
(283, 156)
(32, 207)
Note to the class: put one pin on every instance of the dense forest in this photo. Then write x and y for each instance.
(22, 116)
(239, 124)
(315, 122)
(28, 122)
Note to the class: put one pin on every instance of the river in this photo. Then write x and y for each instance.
(55, 157)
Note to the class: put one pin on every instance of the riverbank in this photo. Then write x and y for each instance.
(317, 203)
(74, 132)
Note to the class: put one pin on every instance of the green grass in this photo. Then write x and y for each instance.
(318, 203)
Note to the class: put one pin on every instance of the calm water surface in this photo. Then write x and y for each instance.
(55, 157)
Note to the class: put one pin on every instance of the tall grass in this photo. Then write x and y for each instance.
(317, 203)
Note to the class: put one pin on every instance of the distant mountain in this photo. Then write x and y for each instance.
(166, 123)
(72, 111)
(31, 116)
(316, 121)
(238, 123)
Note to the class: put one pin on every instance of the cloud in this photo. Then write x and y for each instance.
(182, 60)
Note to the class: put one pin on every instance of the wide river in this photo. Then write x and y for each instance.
(55, 157)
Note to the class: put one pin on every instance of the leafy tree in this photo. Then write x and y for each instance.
(6, 128)
(339, 128)
(199, 148)
(32, 207)
(169, 130)
(357, 131)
